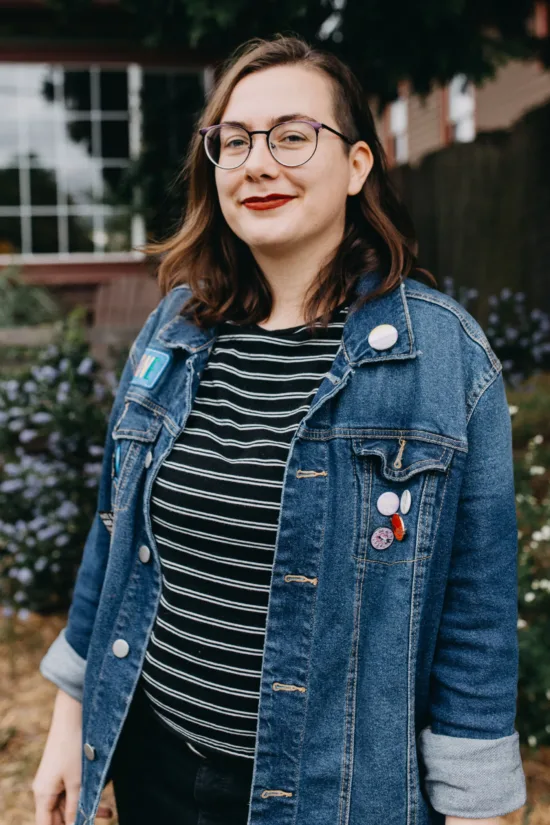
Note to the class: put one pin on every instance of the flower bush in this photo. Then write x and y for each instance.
(519, 337)
(533, 513)
(53, 420)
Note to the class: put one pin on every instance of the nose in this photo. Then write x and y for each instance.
(260, 160)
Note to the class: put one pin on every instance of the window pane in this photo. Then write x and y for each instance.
(113, 177)
(43, 187)
(10, 236)
(81, 233)
(9, 146)
(113, 91)
(42, 136)
(78, 91)
(80, 132)
(118, 228)
(44, 233)
(80, 183)
(114, 139)
(9, 187)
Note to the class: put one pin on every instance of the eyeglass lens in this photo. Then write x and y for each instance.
(292, 143)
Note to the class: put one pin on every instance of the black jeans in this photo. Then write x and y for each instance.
(158, 780)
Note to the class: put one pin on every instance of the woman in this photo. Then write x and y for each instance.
(298, 599)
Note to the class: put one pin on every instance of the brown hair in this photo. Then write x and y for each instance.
(204, 253)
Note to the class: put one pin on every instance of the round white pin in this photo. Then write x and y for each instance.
(383, 336)
(388, 504)
(405, 502)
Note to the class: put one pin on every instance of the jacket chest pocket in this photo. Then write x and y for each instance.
(401, 481)
(133, 436)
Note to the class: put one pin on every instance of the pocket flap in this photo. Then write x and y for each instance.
(137, 423)
(401, 456)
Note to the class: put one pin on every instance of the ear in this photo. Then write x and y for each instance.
(361, 161)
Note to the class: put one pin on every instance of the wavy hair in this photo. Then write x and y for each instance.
(205, 254)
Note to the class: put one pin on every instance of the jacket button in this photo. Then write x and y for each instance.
(89, 751)
(121, 648)
(144, 553)
(149, 459)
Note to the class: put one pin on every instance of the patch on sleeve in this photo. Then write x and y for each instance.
(107, 517)
(152, 364)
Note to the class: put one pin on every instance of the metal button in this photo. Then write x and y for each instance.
(144, 553)
(388, 503)
(383, 336)
(121, 648)
(149, 459)
(89, 752)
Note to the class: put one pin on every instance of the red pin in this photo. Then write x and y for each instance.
(398, 527)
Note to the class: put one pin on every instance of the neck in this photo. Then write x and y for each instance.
(289, 276)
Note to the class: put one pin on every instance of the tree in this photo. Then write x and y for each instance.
(426, 41)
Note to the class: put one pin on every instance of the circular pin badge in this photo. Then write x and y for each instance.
(388, 504)
(406, 502)
(383, 336)
(381, 538)
(398, 526)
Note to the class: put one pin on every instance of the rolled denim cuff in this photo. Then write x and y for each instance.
(473, 778)
(64, 667)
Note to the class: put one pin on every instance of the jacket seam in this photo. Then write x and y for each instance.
(465, 323)
(482, 392)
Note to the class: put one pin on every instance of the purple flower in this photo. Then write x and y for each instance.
(27, 435)
(25, 575)
(85, 366)
(49, 532)
(23, 614)
(41, 564)
(41, 418)
(10, 485)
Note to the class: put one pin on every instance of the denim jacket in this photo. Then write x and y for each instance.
(389, 678)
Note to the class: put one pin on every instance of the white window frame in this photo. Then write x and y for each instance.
(462, 109)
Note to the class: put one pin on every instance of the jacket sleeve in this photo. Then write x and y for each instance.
(65, 661)
(471, 749)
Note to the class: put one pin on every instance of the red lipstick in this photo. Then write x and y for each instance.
(267, 202)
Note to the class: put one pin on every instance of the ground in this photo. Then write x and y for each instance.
(26, 702)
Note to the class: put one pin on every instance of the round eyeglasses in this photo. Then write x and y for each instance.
(291, 143)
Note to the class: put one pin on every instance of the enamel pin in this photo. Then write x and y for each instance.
(381, 538)
(398, 526)
(152, 364)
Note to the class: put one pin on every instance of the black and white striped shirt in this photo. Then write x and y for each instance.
(214, 512)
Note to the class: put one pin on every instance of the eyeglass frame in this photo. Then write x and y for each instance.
(317, 125)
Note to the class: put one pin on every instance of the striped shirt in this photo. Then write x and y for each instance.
(214, 512)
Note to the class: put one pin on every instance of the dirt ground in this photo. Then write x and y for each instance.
(26, 702)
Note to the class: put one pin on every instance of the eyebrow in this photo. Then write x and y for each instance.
(273, 120)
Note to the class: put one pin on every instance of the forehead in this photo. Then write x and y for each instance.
(277, 91)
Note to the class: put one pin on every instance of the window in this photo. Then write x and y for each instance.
(67, 138)
(399, 130)
(462, 126)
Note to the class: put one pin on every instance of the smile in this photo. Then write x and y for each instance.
(267, 204)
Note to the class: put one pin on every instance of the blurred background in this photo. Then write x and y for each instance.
(98, 99)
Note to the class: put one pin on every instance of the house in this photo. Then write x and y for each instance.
(411, 127)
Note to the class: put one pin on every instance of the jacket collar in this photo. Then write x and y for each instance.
(391, 309)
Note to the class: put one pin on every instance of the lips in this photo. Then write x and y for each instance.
(268, 202)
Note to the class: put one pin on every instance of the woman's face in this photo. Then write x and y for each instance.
(319, 188)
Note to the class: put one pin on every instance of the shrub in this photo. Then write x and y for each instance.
(53, 419)
(520, 338)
